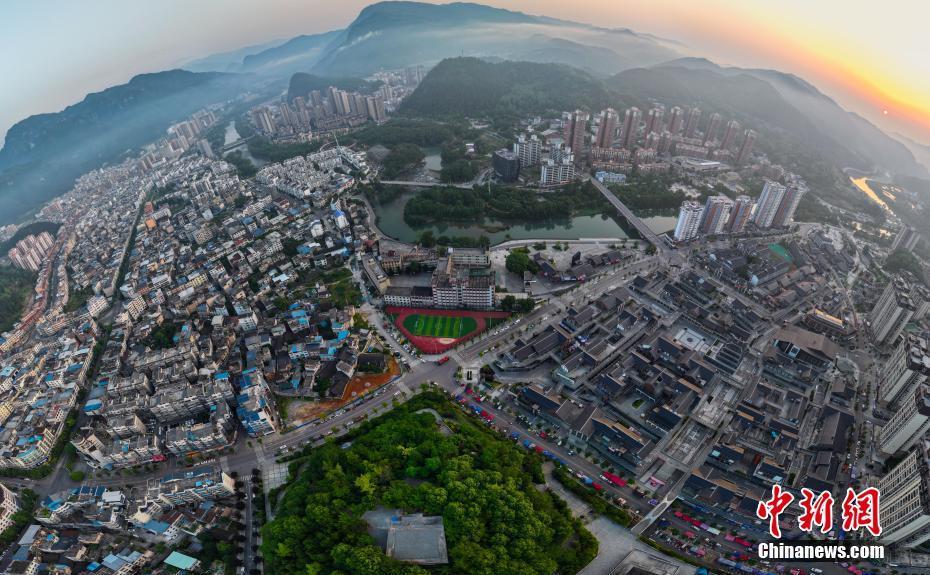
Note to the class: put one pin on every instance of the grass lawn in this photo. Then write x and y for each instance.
(439, 325)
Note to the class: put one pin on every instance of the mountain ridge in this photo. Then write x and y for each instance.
(44, 153)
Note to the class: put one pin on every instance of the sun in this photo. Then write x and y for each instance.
(885, 112)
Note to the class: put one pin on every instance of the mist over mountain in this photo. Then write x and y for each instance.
(43, 154)
(297, 54)
(228, 61)
(786, 106)
(399, 34)
(503, 90)
(588, 66)
(851, 130)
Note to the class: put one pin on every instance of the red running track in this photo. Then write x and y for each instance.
(435, 345)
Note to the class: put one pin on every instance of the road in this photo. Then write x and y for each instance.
(644, 231)
(426, 184)
(247, 555)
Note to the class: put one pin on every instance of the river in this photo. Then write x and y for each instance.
(433, 159)
(391, 222)
(231, 136)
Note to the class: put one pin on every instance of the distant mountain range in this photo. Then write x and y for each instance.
(399, 34)
(868, 143)
(44, 153)
(228, 61)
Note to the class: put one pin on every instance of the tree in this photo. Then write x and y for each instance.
(400, 159)
(427, 239)
(480, 484)
(290, 246)
(508, 303)
(77, 476)
(518, 261)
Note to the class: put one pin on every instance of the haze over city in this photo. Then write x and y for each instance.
(401, 288)
(870, 57)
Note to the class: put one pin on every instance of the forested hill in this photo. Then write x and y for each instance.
(495, 518)
(476, 88)
(44, 153)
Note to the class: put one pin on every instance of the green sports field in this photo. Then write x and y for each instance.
(439, 325)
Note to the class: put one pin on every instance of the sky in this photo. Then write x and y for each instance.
(869, 56)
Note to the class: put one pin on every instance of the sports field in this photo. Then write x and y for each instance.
(440, 325)
(435, 331)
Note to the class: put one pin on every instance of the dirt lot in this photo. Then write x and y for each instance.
(303, 411)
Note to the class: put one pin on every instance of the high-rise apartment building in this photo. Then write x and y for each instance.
(713, 126)
(894, 308)
(906, 239)
(691, 125)
(573, 133)
(729, 135)
(606, 128)
(29, 252)
(263, 120)
(375, 108)
(631, 121)
(716, 214)
(745, 149)
(905, 369)
(676, 120)
(784, 215)
(654, 120)
(556, 171)
(769, 201)
(689, 221)
(528, 149)
(909, 423)
(905, 500)
(740, 214)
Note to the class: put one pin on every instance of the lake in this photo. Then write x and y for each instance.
(391, 222)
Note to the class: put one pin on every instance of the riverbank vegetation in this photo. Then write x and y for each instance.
(451, 205)
(649, 192)
(244, 167)
(402, 158)
(495, 518)
(428, 239)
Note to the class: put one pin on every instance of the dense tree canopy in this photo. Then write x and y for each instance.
(15, 286)
(519, 261)
(495, 519)
(439, 205)
(476, 88)
(401, 158)
(421, 132)
(903, 260)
